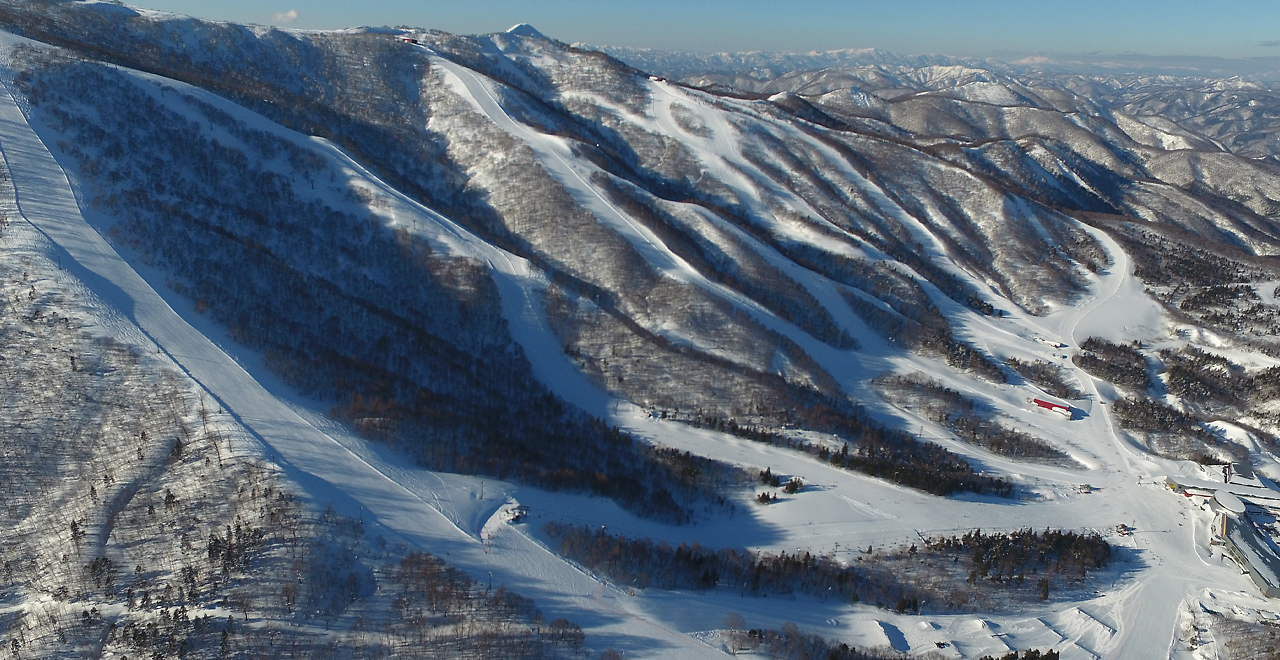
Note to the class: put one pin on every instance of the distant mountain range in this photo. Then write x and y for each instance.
(771, 64)
(1232, 101)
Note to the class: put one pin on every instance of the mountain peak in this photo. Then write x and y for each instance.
(525, 30)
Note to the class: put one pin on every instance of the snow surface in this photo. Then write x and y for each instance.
(356, 485)
(524, 30)
(1161, 565)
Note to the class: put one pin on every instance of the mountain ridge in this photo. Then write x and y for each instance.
(635, 303)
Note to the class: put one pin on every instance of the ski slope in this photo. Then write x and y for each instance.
(1140, 616)
(325, 467)
(850, 511)
(842, 511)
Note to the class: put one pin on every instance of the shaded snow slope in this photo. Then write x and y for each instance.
(330, 471)
(669, 261)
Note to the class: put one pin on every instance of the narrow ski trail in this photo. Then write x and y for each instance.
(554, 155)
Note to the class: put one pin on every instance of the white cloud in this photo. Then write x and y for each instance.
(285, 16)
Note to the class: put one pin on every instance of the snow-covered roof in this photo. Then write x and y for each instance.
(1179, 483)
(1229, 502)
(1258, 551)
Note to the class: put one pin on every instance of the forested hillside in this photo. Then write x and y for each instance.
(386, 312)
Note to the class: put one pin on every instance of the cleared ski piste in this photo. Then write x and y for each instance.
(840, 511)
(851, 511)
(329, 471)
(1140, 617)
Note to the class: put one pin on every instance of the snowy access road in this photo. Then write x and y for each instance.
(326, 468)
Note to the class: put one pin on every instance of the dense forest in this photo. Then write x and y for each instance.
(966, 418)
(791, 643)
(1173, 433)
(996, 568)
(415, 353)
(1029, 654)
(1121, 364)
(1214, 382)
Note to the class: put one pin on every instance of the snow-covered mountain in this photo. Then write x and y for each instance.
(1232, 101)
(285, 310)
(771, 64)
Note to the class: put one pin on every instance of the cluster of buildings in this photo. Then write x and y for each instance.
(1238, 505)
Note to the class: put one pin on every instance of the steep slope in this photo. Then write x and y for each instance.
(328, 575)
(507, 257)
(761, 369)
(144, 514)
(411, 343)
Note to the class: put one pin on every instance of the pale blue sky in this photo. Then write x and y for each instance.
(1221, 28)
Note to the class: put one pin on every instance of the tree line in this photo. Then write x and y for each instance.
(1047, 375)
(1122, 364)
(902, 579)
(409, 344)
(968, 419)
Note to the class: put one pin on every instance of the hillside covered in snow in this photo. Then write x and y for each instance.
(400, 343)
